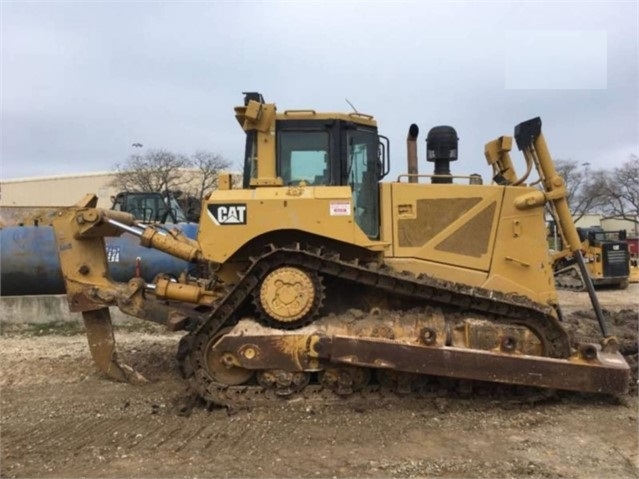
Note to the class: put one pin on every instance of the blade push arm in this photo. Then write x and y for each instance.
(532, 143)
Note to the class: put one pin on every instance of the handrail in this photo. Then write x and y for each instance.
(363, 115)
(426, 175)
(299, 112)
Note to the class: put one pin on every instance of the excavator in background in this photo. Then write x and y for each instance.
(318, 280)
(149, 207)
(607, 258)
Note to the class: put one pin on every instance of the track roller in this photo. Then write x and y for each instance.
(284, 383)
(344, 380)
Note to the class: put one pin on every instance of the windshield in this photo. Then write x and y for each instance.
(363, 171)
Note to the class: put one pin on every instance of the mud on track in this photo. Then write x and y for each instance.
(59, 418)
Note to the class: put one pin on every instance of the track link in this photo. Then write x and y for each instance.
(569, 278)
(500, 307)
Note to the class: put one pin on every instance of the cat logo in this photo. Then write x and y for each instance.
(229, 214)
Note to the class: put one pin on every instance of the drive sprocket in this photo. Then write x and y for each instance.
(289, 297)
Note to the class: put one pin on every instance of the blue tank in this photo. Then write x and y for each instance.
(29, 262)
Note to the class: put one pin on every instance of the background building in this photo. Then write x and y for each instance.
(63, 190)
(66, 190)
(609, 224)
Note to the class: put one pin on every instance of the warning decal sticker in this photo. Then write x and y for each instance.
(340, 208)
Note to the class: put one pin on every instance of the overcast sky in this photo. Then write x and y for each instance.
(82, 81)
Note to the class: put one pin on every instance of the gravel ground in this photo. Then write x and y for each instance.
(60, 418)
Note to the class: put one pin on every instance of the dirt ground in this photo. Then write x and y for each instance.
(60, 418)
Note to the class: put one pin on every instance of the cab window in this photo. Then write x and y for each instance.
(362, 176)
(303, 156)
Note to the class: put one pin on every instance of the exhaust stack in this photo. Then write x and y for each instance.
(411, 148)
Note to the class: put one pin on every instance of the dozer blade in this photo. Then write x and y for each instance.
(599, 372)
(102, 345)
(589, 369)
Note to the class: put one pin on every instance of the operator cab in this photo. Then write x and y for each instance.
(149, 207)
(325, 149)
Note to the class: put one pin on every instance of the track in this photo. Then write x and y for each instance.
(492, 305)
(569, 279)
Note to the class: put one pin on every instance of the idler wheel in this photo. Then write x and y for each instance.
(221, 366)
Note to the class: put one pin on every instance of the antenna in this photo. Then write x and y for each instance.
(354, 109)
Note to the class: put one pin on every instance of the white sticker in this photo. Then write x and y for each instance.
(113, 254)
(340, 208)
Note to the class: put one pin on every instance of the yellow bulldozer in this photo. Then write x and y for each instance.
(316, 279)
(607, 258)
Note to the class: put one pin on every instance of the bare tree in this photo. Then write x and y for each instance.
(207, 167)
(586, 189)
(162, 170)
(622, 191)
(187, 179)
(156, 170)
(203, 177)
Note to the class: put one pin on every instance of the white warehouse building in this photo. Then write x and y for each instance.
(62, 190)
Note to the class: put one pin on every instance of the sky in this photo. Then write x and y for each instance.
(81, 82)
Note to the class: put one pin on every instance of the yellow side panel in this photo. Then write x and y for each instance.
(448, 224)
(472, 234)
(521, 262)
(233, 218)
(386, 215)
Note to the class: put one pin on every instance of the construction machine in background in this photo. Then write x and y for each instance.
(28, 252)
(607, 258)
(317, 280)
(170, 206)
(633, 277)
(633, 249)
(145, 206)
(150, 207)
